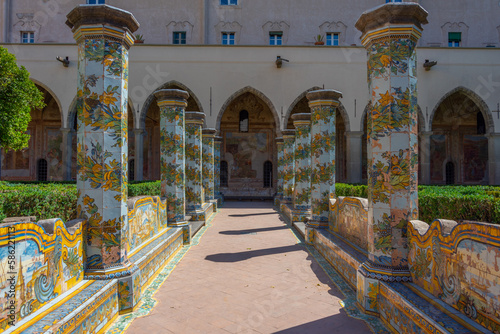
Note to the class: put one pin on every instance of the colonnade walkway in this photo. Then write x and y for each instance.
(249, 273)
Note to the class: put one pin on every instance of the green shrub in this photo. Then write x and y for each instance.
(151, 188)
(44, 201)
(58, 199)
(53, 199)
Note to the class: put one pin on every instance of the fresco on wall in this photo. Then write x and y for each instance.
(438, 157)
(243, 148)
(54, 155)
(475, 158)
(459, 264)
(37, 266)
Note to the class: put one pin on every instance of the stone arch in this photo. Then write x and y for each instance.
(54, 96)
(151, 98)
(294, 103)
(478, 101)
(260, 95)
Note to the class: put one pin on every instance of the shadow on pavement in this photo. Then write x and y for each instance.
(255, 230)
(254, 214)
(338, 323)
(242, 256)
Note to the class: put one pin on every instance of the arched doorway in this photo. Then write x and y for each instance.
(248, 128)
(150, 122)
(301, 105)
(45, 146)
(458, 144)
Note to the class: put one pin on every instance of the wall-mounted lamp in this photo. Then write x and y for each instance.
(279, 61)
(64, 61)
(428, 64)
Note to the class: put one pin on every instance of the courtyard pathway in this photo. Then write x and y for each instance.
(248, 274)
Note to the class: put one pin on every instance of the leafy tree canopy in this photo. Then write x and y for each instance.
(18, 96)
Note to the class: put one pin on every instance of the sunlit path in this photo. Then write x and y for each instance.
(248, 275)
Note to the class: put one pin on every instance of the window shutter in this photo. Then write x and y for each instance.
(455, 36)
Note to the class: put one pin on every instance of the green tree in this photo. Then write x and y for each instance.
(18, 96)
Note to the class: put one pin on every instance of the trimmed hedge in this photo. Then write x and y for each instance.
(44, 201)
(460, 203)
(58, 199)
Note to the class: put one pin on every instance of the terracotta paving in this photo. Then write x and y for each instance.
(248, 275)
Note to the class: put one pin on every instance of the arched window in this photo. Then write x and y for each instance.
(481, 125)
(268, 174)
(243, 121)
(41, 170)
(223, 173)
(450, 173)
(131, 169)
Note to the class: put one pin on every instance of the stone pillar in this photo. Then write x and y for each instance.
(194, 174)
(172, 104)
(425, 157)
(354, 151)
(494, 158)
(288, 165)
(139, 154)
(66, 152)
(217, 153)
(390, 33)
(208, 164)
(279, 190)
(104, 36)
(323, 104)
(302, 181)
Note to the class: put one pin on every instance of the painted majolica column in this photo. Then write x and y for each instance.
(288, 165)
(208, 164)
(390, 34)
(172, 104)
(323, 104)
(279, 191)
(194, 173)
(217, 153)
(104, 36)
(302, 181)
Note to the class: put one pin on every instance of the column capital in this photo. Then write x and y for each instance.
(210, 133)
(218, 139)
(194, 117)
(65, 130)
(301, 119)
(353, 134)
(102, 20)
(138, 131)
(323, 97)
(279, 141)
(288, 133)
(400, 20)
(171, 97)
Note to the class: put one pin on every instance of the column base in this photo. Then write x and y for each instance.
(118, 271)
(318, 222)
(202, 214)
(301, 215)
(309, 234)
(214, 204)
